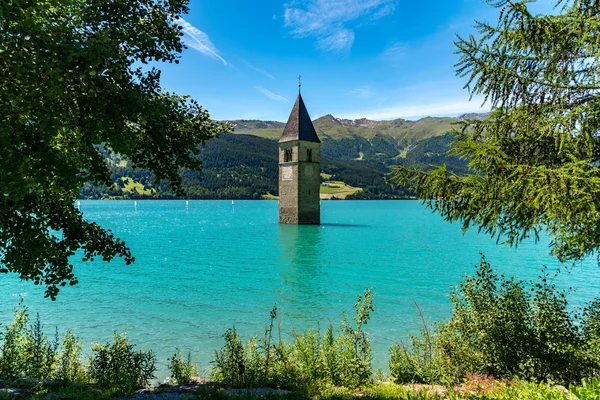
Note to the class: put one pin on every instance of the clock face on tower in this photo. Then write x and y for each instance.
(287, 173)
(309, 170)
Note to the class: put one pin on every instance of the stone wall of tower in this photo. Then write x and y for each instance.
(299, 183)
(288, 184)
(309, 171)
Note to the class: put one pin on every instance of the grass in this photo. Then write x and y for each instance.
(72, 391)
(496, 390)
(330, 189)
(132, 186)
(404, 152)
(491, 389)
(338, 189)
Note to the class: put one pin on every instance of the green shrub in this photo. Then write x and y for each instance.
(70, 366)
(526, 390)
(243, 365)
(414, 363)
(504, 328)
(117, 365)
(182, 369)
(419, 360)
(39, 354)
(589, 389)
(306, 351)
(329, 357)
(12, 364)
(342, 360)
(24, 350)
(354, 346)
(310, 361)
(231, 360)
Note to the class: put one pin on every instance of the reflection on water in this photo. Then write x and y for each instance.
(300, 269)
(346, 225)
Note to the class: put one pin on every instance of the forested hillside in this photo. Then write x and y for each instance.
(243, 165)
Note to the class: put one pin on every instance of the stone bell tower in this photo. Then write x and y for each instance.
(299, 169)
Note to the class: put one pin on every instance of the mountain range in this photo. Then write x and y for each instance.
(355, 153)
(364, 139)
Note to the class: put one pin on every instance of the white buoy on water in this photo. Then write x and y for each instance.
(187, 205)
(78, 205)
(135, 205)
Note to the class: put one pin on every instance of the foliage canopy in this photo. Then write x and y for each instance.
(72, 87)
(534, 160)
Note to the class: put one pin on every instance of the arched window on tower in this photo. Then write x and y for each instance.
(287, 156)
(309, 155)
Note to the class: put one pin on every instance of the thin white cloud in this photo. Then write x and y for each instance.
(272, 95)
(196, 39)
(362, 92)
(419, 110)
(331, 21)
(339, 40)
(395, 51)
(262, 71)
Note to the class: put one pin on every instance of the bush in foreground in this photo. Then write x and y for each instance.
(25, 352)
(507, 329)
(182, 369)
(117, 365)
(504, 338)
(310, 361)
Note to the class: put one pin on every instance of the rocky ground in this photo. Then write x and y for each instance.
(22, 389)
(179, 392)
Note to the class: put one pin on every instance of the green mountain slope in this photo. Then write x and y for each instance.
(244, 165)
(362, 139)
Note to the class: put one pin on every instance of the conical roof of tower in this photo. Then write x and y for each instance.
(299, 125)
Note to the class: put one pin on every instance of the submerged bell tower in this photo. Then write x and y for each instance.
(299, 169)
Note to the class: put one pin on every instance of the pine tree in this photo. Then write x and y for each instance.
(534, 162)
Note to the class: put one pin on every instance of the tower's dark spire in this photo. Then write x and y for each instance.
(299, 125)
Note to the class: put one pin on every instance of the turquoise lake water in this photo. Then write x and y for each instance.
(201, 271)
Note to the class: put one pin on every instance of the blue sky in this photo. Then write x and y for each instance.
(379, 59)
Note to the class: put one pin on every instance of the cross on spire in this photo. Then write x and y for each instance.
(299, 83)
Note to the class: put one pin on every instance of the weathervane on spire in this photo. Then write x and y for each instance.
(299, 83)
